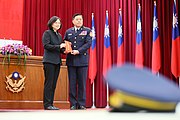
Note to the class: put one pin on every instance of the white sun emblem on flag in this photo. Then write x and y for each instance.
(155, 24)
(120, 31)
(175, 20)
(93, 33)
(139, 26)
(106, 31)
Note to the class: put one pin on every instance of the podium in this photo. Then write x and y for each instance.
(29, 95)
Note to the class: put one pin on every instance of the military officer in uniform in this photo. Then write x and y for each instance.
(77, 61)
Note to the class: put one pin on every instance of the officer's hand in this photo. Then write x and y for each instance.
(75, 52)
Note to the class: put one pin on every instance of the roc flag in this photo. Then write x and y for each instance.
(107, 48)
(175, 53)
(156, 59)
(92, 59)
(120, 52)
(139, 46)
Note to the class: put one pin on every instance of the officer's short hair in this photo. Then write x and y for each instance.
(76, 14)
(52, 20)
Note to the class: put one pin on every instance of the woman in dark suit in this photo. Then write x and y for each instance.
(53, 46)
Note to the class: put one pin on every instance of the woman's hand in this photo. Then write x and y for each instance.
(62, 45)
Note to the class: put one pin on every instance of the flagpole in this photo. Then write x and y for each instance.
(107, 106)
(93, 100)
(92, 57)
(106, 54)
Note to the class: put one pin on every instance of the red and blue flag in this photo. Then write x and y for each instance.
(107, 48)
(139, 58)
(120, 52)
(92, 58)
(156, 56)
(175, 53)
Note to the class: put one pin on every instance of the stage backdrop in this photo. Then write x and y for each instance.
(11, 14)
(38, 12)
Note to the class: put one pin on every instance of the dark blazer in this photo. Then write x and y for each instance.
(81, 41)
(51, 42)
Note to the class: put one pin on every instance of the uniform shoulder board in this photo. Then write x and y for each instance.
(72, 28)
(87, 28)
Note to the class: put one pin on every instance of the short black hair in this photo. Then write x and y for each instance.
(52, 20)
(76, 14)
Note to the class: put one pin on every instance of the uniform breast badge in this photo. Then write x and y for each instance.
(83, 33)
(15, 82)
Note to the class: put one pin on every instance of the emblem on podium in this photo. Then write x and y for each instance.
(15, 82)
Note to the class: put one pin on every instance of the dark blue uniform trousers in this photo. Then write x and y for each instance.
(77, 85)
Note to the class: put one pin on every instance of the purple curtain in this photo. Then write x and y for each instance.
(38, 12)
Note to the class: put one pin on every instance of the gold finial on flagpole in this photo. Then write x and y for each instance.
(120, 11)
(106, 12)
(139, 5)
(155, 2)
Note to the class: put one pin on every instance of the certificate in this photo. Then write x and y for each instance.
(68, 47)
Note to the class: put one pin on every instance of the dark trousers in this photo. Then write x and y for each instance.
(77, 83)
(51, 73)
